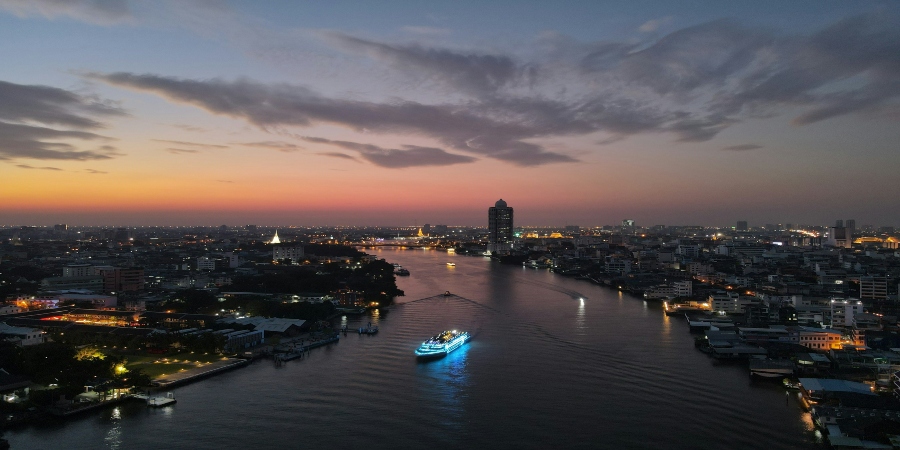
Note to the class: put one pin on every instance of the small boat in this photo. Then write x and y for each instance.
(401, 272)
(450, 264)
(442, 344)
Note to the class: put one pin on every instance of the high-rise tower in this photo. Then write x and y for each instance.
(500, 227)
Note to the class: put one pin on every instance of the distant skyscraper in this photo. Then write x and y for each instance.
(839, 223)
(500, 227)
(741, 225)
(850, 225)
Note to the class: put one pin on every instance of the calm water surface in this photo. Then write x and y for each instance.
(545, 369)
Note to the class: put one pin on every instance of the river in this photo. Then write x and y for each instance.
(554, 362)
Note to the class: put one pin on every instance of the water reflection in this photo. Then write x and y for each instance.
(579, 317)
(446, 380)
(113, 438)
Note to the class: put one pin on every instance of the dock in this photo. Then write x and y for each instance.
(80, 408)
(156, 402)
(299, 352)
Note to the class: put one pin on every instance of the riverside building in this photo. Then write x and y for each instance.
(500, 227)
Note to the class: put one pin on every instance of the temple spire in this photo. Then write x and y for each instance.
(275, 239)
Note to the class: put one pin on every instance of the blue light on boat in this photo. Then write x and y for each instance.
(443, 343)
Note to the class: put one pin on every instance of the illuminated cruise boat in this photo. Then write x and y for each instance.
(442, 344)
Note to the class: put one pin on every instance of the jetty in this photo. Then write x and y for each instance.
(299, 351)
(156, 402)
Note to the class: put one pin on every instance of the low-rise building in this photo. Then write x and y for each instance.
(819, 339)
(22, 336)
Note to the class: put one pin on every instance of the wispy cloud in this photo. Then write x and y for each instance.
(191, 128)
(407, 156)
(742, 147)
(192, 144)
(22, 107)
(26, 166)
(337, 155)
(179, 151)
(95, 172)
(475, 72)
(495, 130)
(692, 83)
(281, 146)
(32, 142)
(103, 12)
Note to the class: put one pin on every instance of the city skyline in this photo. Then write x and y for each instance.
(296, 113)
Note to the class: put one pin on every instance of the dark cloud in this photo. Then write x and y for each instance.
(193, 144)
(407, 156)
(102, 12)
(742, 147)
(26, 141)
(724, 72)
(179, 151)
(454, 125)
(477, 73)
(692, 83)
(281, 146)
(699, 129)
(337, 155)
(26, 166)
(22, 107)
(51, 106)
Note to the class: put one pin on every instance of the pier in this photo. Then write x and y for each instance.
(299, 352)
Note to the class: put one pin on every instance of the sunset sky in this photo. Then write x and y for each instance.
(178, 112)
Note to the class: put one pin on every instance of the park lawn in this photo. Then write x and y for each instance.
(156, 366)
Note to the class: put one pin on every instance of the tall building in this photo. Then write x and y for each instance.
(741, 225)
(850, 224)
(500, 227)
